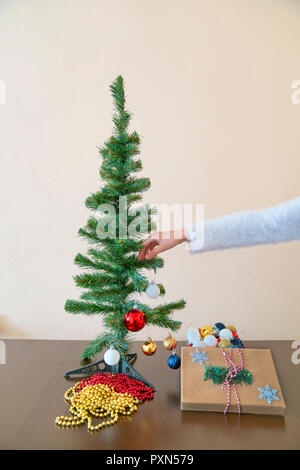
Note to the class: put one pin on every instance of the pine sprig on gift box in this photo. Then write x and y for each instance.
(113, 268)
(218, 375)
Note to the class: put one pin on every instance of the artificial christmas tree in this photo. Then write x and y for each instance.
(116, 275)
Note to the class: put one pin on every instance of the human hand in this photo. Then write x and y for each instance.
(158, 242)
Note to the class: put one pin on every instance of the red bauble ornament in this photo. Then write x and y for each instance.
(134, 320)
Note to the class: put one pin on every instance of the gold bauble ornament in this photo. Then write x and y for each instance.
(224, 343)
(206, 330)
(149, 347)
(231, 328)
(170, 343)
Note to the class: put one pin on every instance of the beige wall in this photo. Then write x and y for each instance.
(209, 83)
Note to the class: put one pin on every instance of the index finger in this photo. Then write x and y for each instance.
(148, 245)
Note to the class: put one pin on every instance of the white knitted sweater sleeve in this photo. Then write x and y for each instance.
(272, 225)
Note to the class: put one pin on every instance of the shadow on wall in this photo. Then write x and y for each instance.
(9, 330)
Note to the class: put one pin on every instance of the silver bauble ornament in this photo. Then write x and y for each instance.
(193, 335)
(153, 290)
(111, 357)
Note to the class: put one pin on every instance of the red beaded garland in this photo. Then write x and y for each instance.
(121, 384)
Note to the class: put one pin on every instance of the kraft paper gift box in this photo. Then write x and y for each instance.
(200, 395)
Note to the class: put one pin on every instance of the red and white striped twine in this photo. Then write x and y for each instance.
(232, 373)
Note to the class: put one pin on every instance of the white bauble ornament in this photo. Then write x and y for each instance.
(226, 334)
(198, 344)
(153, 290)
(111, 357)
(193, 335)
(210, 340)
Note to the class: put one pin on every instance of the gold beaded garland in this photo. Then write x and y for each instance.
(99, 401)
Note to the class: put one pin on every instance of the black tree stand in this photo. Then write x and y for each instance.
(123, 367)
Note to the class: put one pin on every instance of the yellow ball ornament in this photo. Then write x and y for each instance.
(206, 330)
(224, 343)
(149, 347)
(170, 343)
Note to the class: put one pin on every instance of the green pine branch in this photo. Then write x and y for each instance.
(104, 341)
(169, 308)
(92, 280)
(74, 306)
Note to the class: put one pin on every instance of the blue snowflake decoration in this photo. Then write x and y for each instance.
(268, 393)
(199, 356)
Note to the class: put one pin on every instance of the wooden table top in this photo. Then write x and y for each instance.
(32, 395)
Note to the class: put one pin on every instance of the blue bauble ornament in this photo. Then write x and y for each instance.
(236, 342)
(220, 326)
(174, 361)
(216, 331)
